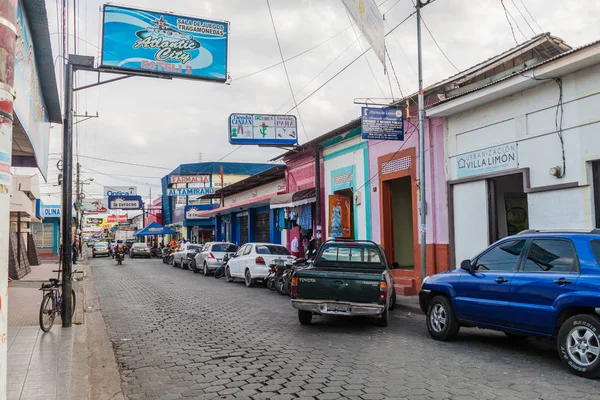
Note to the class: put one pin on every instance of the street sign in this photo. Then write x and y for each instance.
(125, 202)
(382, 123)
(369, 19)
(263, 129)
(159, 43)
(193, 212)
(120, 191)
(190, 191)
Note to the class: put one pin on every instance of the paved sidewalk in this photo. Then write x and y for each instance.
(51, 365)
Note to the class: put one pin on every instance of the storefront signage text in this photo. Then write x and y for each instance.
(125, 202)
(263, 129)
(192, 212)
(116, 218)
(382, 123)
(190, 191)
(120, 191)
(487, 160)
(190, 178)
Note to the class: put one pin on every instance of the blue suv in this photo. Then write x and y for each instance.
(534, 284)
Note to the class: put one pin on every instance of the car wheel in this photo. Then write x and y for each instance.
(194, 267)
(441, 321)
(579, 345)
(248, 279)
(205, 270)
(384, 320)
(228, 275)
(93, 256)
(305, 317)
(182, 264)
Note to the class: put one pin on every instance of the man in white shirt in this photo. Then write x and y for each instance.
(295, 249)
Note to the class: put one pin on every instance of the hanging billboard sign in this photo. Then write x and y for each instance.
(189, 179)
(116, 219)
(369, 19)
(165, 44)
(94, 221)
(191, 191)
(193, 212)
(125, 202)
(263, 129)
(120, 191)
(94, 206)
(382, 123)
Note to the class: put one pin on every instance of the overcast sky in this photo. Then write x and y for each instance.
(168, 122)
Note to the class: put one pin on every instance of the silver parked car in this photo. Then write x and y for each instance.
(140, 250)
(100, 249)
(211, 256)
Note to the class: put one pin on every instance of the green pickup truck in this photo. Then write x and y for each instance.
(346, 278)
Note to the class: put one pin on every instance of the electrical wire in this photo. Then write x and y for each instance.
(390, 9)
(293, 57)
(124, 163)
(286, 71)
(348, 65)
(394, 72)
(533, 19)
(507, 14)
(523, 16)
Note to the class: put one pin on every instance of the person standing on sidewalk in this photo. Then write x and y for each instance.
(295, 247)
(75, 251)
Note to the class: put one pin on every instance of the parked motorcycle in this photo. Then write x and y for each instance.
(220, 271)
(283, 284)
(168, 256)
(119, 256)
(276, 269)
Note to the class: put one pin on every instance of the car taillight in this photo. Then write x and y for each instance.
(260, 261)
(382, 291)
(146, 249)
(211, 255)
(294, 291)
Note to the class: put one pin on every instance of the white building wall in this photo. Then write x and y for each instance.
(529, 119)
(336, 159)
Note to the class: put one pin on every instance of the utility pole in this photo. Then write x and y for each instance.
(67, 198)
(78, 191)
(423, 200)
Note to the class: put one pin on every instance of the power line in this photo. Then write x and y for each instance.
(394, 72)
(507, 14)
(286, 71)
(523, 16)
(390, 9)
(348, 65)
(124, 163)
(293, 57)
(533, 19)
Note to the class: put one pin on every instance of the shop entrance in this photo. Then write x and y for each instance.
(262, 229)
(401, 213)
(243, 220)
(507, 206)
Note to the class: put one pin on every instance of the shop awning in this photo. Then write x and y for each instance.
(239, 206)
(155, 229)
(294, 199)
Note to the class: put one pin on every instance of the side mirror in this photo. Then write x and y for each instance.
(466, 265)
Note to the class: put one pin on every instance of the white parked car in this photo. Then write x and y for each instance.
(211, 256)
(185, 255)
(251, 261)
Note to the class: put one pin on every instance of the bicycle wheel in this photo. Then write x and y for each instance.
(47, 312)
(73, 302)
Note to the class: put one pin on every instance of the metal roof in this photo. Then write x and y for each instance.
(234, 168)
(251, 182)
(35, 10)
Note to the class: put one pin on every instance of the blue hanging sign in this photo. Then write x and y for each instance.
(382, 123)
(125, 202)
(159, 43)
(263, 129)
(190, 191)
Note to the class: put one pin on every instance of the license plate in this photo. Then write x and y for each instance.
(338, 307)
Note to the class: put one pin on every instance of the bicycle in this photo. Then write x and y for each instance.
(52, 300)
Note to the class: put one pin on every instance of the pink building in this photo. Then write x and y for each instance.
(395, 197)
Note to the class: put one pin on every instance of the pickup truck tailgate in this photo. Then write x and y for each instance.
(339, 285)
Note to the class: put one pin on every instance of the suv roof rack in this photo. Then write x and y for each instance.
(594, 231)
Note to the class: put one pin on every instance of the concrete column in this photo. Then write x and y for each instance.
(251, 224)
(274, 232)
(8, 18)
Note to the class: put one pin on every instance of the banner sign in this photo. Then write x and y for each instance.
(339, 216)
(487, 160)
(192, 212)
(120, 191)
(160, 43)
(54, 211)
(125, 202)
(116, 218)
(382, 123)
(95, 221)
(190, 179)
(190, 191)
(94, 206)
(29, 104)
(263, 129)
(369, 19)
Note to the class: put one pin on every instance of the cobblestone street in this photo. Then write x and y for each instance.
(179, 334)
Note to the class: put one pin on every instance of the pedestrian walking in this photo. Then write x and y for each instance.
(75, 249)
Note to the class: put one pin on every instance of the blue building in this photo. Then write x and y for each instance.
(188, 191)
